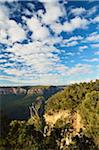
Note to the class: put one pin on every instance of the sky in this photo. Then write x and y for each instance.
(48, 42)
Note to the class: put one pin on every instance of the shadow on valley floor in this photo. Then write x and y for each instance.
(15, 101)
(16, 106)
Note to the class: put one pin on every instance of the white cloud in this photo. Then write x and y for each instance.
(70, 54)
(3, 36)
(33, 23)
(7, 1)
(4, 13)
(81, 81)
(93, 37)
(97, 66)
(3, 60)
(97, 53)
(78, 11)
(53, 12)
(56, 27)
(39, 32)
(91, 60)
(95, 45)
(81, 48)
(73, 24)
(12, 71)
(91, 11)
(96, 19)
(77, 22)
(9, 28)
(37, 55)
(48, 1)
(79, 69)
(73, 43)
(73, 38)
(15, 31)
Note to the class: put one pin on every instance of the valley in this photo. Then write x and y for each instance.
(15, 101)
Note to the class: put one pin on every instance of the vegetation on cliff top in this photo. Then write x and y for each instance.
(71, 97)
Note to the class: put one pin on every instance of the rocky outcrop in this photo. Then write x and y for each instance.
(46, 92)
(74, 119)
(35, 91)
(12, 90)
(51, 119)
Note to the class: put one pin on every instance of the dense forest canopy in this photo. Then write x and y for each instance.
(71, 97)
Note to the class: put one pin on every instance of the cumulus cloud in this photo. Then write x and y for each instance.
(92, 60)
(96, 19)
(48, 1)
(39, 32)
(78, 11)
(74, 23)
(81, 48)
(93, 37)
(7, 1)
(15, 31)
(9, 28)
(77, 22)
(79, 69)
(3, 60)
(92, 11)
(73, 38)
(53, 12)
(95, 45)
(73, 43)
(37, 55)
(70, 54)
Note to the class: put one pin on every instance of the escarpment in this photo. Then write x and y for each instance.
(46, 91)
(12, 90)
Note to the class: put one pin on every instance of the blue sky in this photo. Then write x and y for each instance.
(48, 42)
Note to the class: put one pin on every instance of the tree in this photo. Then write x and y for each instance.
(89, 110)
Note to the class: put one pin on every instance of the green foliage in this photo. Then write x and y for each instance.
(81, 142)
(22, 136)
(89, 111)
(71, 97)
(62, 124)
(4, 124)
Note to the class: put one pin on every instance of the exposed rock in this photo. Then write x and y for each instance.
(51, 119)
(76, 122)
(35, 91)
(12, 90)
(46, 92)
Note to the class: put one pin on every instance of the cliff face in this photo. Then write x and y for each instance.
(11, 90)
(32, 90)
(52, 119)
(19, 90)
(35, 91)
